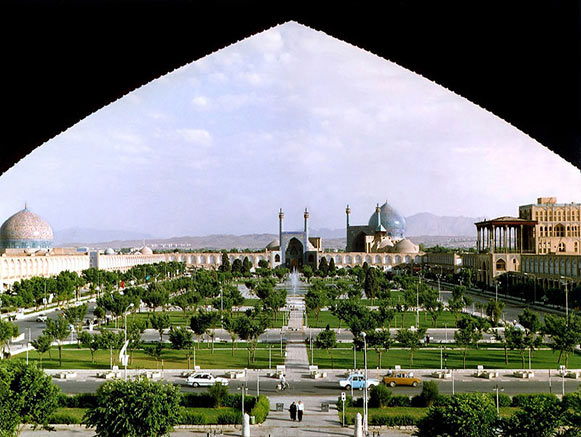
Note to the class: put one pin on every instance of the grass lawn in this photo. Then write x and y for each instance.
(430, 359)
(222, 358)
(177, 318)
(446, 319)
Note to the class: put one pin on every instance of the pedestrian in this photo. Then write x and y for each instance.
(293, 411)
(300, 409)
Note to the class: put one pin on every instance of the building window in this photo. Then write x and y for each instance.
(500, 265)
(561, 247)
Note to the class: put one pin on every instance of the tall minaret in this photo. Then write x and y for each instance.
(347, 211)
(280, 217)
(378, 214)
(306, 238)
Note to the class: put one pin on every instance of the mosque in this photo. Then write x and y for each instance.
(26, 249)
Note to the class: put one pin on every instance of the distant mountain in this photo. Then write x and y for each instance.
(84, 236)
(424, 228)
(426, 224)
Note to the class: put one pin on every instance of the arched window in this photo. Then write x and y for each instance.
(562, 247)
(277, 258)
(559, 230)
(311, 258)
(500, 265)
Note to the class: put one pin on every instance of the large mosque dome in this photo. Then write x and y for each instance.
(25, 230)
(391, 220)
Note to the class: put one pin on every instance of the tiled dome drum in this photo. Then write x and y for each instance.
(26, 230)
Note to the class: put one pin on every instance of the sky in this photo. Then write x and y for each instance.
(289, 118)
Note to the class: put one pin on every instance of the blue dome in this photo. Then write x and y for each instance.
(391, 220)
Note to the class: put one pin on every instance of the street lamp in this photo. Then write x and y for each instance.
(365, 386)
(497, 400)
(496, 293)
(131, 305)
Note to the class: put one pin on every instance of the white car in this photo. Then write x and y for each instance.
(357, 381)
(204, 379)
(41, 318)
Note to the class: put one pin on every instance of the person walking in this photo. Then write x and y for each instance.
(300, 409)
(293, 411)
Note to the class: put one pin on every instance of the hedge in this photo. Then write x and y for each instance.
(64, 419)
(385, 420)
(520, 400)
(229, 417)
(260, 409)
(79, 400)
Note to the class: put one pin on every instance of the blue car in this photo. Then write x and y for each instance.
(357, 381)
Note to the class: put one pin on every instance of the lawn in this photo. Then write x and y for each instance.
(178, 318)
(429, 358)
(74, 358)
(446, 320)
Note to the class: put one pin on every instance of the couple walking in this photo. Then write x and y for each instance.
(297, 409)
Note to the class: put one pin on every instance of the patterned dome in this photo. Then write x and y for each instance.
(26, 230)
(392, 221)
(109, 251)
(406, 246)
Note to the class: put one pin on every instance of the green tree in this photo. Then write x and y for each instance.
(156, 295)
(459, 301)
(308, 272)
(154, 351)
(371, 284)
(411, 340)
(27, 396)
(148, 409)
(275, 301)
(229, 323)
(429, 394)
(316, 300)
(42, 344)
(494, 311)
(468, 334)
(432, 304)
(181, 339)
(327, 340)
(463, 415)
(109, 340)
(135, 330)
(75, 316)
(250, 327)
(225, 265)
(246, 266)
(59, 330)
(160, 322)
(515, 340)
(8, 330)
(538, 416)
(90, 342)
(381, 341)
(200, 324)
(323, 267)
(565, 334)
(532, 324)
(332, 269)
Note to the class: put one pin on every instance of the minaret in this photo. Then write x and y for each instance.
(347, 212)
(280, 217)
(306, 237)
(378, 214)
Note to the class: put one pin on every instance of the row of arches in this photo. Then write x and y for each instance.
(560, 265)
(16, 268)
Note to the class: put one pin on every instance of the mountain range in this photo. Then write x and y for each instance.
(424, 228)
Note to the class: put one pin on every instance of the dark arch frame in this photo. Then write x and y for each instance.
(515, 59)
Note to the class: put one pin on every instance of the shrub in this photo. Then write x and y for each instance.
(399, 401)
(64, 419)
(260, 409)
(386, 420)
(524, 399)
(428, 395)
(350, 402)
(539, 416)
(192, 418)
(84, 400)
(379, 396)
(503, 399)
(218, 394)
(229, 417)
(196, 400)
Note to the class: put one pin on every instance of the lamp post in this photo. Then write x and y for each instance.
(497, 400)
(365, 386)
(496, 293)
(125, 343)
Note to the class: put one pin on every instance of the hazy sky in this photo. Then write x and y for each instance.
(288, 118)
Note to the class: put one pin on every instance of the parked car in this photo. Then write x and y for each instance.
(41, 318)
(401, 378)
(204, 379)
(357, 381)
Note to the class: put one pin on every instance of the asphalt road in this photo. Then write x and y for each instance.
(330, 385)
